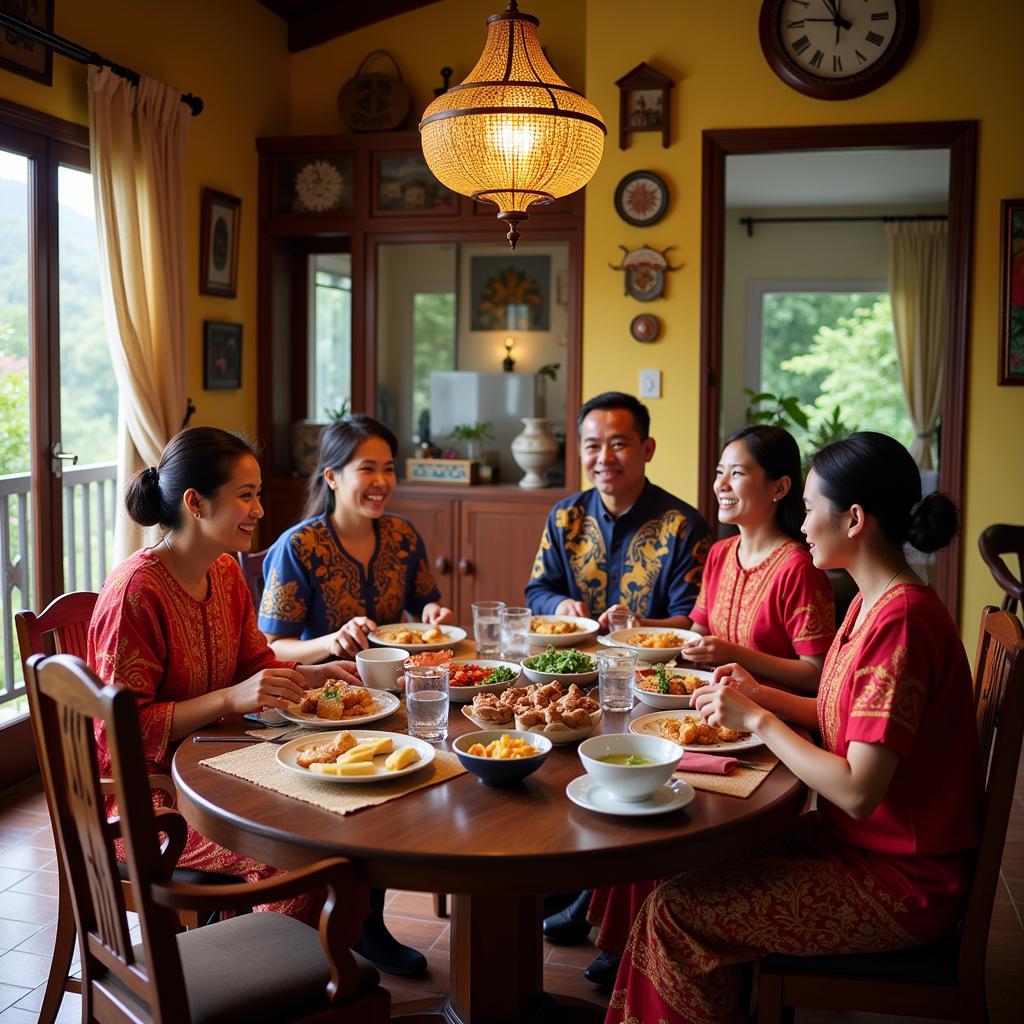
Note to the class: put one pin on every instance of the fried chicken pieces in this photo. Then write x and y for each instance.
(326, 753)
(337, 700)
(695, 731)
(535, 705)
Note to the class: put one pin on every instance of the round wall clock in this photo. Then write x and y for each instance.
(837, 49)
(645, 327)
(641, 198)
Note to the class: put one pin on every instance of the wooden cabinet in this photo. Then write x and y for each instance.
(481, 544)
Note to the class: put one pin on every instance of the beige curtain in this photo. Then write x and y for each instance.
(137, 141)
(918, 271)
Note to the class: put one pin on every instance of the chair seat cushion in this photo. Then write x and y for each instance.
(260, 968)
(934, 964)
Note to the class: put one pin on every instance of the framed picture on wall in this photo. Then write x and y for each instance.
(222, 355)
(218, 253)
(403, 184)
(1011, 293)
(510, 293)
(20, 54)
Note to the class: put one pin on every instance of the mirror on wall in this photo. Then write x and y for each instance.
(469, 334)
(808, 298)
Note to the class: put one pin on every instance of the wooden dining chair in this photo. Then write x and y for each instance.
(257, 967)
(996, 542)
(252, 570)
(945, 979)
(62, 627)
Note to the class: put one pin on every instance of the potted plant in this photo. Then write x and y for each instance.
(472, 434)
(306, 437)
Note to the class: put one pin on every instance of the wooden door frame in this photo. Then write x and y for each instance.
(961, 139)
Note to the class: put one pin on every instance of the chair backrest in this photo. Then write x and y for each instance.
(62, 627)
(999, 704)
(252, 570)
(66, 699)
(995, 542)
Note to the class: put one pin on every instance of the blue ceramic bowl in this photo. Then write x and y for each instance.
(496, 771)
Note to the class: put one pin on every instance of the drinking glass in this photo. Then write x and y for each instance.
(620, 618)
(487, 628)
(515, 630)
(426, 701)
(616, 669)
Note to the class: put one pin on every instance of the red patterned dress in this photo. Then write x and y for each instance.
(893, 880)
(782, 607)
(147, 633)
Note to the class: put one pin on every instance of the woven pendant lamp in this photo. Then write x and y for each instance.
(513, 133)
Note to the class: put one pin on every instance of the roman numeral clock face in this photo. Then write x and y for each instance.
(837, 49)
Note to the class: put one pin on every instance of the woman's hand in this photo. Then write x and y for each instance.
(435, 614)
(710, 650)
(721, 704)
(351, 638)
(269, 688)
(318, 675)
(568, 606)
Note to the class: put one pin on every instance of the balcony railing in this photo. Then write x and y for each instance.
(90, 501)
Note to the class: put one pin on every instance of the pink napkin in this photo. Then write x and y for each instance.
(712, 764)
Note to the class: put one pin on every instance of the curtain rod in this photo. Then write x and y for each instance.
(749, 222)
(69, 49)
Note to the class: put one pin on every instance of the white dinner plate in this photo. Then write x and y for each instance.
(587, 630)
(387, 703)
(465, 694)
(382, 637)
(288, 752)
(670, 701)
(586, 793)
(652, 654)
(648, 725)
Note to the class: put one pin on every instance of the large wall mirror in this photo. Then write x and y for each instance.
(814, 243)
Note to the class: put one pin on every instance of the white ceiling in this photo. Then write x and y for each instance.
(855, 177)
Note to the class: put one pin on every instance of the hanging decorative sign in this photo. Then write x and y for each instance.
(374, 102)
(645, 271)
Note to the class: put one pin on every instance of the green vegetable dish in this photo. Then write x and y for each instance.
(501, 674)
(566, 660)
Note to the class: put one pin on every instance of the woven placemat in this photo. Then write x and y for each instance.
(739, 782)
(397, 721)
(257, 763)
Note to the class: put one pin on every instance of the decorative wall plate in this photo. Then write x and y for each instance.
(645, 270)
(641, 198)
(645, 327)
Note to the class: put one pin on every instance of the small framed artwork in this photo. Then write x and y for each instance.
(313, 186)
(218, 254)
(403, 184)
(643, 103)
(641, 199)
(1011, 293)
(510, 293)
(222, 355)
(20, 54)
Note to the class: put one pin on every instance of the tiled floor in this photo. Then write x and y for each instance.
(28, 886)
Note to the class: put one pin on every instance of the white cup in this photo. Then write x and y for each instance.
(382, 668)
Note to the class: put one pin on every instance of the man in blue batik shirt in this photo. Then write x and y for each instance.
(626, 542)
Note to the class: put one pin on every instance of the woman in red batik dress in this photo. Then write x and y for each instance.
(884, 861)
(175, 623)
(763, 604)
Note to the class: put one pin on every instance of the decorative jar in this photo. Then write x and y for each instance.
(534, 450)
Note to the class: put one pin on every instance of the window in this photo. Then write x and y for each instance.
(433, 348)
(331, 335)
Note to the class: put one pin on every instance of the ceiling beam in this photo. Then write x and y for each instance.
(327, 21)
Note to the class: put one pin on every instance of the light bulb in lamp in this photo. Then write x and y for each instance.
(513, 133)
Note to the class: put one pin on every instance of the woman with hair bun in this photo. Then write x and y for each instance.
(884, 861)
(348, 566)
(175, 624)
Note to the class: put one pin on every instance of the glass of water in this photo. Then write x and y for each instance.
(616, 669)
(620, 618)
(487, 628)
(515, 633)
(426, 701)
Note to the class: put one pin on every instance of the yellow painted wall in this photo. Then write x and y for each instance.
(242, 76)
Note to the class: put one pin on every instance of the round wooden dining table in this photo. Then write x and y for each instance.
(495, 850)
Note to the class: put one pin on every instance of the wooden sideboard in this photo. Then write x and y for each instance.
(481, 541)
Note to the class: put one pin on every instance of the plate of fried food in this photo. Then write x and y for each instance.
(669, 688)
(563, 715)
(364, 755)
(653, 643)
(341, 702)
(691, 732)
(561, 630)
(416, 636)
(469, 676)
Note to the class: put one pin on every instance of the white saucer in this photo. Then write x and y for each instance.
(586, 793)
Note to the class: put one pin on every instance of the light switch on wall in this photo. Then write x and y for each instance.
(650, 383)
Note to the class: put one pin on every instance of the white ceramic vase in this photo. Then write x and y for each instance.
(534, 450)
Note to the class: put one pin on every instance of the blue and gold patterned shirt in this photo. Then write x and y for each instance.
(650, 559)
(314, 586)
